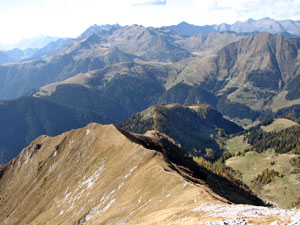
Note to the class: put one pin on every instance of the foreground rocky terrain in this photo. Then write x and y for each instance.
(101, 174)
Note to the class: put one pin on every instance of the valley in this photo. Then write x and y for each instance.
(251, 162)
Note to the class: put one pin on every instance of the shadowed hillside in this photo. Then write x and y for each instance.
(24, 119)
(196, 128)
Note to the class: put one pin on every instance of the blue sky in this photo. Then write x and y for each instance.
(69, 18)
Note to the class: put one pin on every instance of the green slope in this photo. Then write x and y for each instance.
(273, 145)
(197, 128)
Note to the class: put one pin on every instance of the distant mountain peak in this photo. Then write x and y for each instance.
(94, 29)
(184, 23)
(265, 24)
(136, 25)
(187, 29)
(267, 18)
(249, 26)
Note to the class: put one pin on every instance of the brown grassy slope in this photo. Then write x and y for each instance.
(279, 124)
(103, 175)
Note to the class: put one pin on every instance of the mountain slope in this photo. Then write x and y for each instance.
(38, 41)
(5, 58)
(24, 119)
(117, 91)
(246, 80)
(196, 128)
(267, 157)
(149, 43)
(255, 73)
(48, 49)
(96, 29)
(185, 94)
(17, 79)
(186, 29)
(286, 27)
(101, 49)
(101, 174)
(16, 55)
(206, 44)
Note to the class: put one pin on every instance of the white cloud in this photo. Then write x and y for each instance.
(148, 2)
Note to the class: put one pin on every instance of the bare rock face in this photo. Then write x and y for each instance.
(104, 175)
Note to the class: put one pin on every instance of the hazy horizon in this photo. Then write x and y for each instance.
(22, 19)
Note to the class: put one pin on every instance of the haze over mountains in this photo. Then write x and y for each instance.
(174, 83)
(251, 25)
(262, 25)
(286, 27)
(38, 41)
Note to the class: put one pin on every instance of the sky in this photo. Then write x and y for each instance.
(21, 19)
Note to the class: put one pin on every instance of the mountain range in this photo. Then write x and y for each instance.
(28, 47)
(285, 27)
(247, 79)
(185, 102)
(119, 71)
(262, 25)
(38, 41)
(94, 52)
